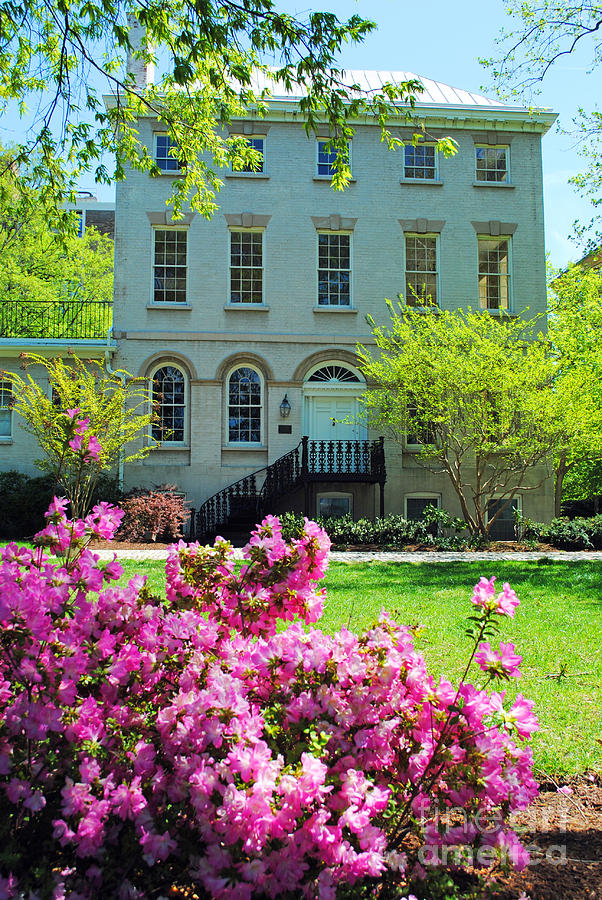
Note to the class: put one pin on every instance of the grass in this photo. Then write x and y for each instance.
(557, 631)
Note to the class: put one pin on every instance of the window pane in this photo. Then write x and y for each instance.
(244, 406)
(420, 161)
(246, 267)
(334, 270)
(491, 163)
(169, 404)
(170, 266)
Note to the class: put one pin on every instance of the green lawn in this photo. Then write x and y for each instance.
(557, 630)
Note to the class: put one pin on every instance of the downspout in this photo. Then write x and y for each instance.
(121, 376)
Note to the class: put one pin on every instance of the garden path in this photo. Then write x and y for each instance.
(145, 551)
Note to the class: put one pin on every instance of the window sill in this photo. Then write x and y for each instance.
(335, 309)
(5, 441)
(166, 173)
(424, 182)
(250, 307)
(244, 447)
(166, 446)
(493, 184)
(328, 178)
(500, 313)
(254, 176)
(183, 306)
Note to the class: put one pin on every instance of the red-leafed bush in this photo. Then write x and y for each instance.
(156, 515)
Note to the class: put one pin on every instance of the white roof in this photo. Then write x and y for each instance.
(435, 93)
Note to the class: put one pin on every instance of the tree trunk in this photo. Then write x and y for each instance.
(561, 469)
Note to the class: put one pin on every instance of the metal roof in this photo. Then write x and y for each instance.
(435, 93)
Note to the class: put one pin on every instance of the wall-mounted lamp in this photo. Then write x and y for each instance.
(285, 408)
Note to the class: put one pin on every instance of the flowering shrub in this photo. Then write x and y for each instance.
(151, 515)
(147, 743)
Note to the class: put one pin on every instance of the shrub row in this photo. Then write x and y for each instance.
(436, 531)
(565, 534)
(24, 500)
(158, 514)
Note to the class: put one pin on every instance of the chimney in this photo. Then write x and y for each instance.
(142, 72)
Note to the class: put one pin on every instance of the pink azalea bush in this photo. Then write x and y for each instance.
(196, 741)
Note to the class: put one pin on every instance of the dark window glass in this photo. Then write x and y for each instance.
(169, 404)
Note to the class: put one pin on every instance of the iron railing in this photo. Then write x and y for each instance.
(56, 320)
(246, 501)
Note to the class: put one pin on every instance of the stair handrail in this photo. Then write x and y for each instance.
(232, 487)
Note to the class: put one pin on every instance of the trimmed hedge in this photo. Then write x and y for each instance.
(391, 531)
(565, 534)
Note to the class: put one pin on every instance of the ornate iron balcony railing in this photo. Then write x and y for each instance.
(68, 320)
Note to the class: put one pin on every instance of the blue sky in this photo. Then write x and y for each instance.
(443, 40)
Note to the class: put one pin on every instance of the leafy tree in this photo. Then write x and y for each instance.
(115, 408)
(213, 57)
(544, 32)
(47, 279)
(476, 392)
(575, 324)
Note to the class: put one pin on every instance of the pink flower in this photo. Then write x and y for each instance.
(503, 664)
(93, 449)
(156, 846)
(504, 604)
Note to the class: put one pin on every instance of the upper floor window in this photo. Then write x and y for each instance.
(420, 162)
(169, 404)
(494, 273)
(257, 144)
(6, 398)
(170, 263)
(244, 406)
(327, 158)
(421, 270)
(246, 267)
(334, 269)
(492, 162)
(166, 154)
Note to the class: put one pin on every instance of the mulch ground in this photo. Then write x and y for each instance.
(564, 836)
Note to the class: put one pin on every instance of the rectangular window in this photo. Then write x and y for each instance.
(6, 397)
(494, 273)
(334, 506)
(255, 144)
(327, 158)
(334, 269)
(170, 265)
(246, 267)
(421, 270)
(420, 162)
(504, 527)
(492, 163)
(415, 507)
(164, 147)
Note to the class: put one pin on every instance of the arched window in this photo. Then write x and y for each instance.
(244, 406)
(334, 373)
(169, 404)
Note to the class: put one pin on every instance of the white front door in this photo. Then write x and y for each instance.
(327, 415)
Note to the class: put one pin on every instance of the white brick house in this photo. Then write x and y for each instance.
(247, 324)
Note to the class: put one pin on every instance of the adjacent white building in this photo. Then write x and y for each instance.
(247, 325)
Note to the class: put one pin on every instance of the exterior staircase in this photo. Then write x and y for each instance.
(236, 509)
